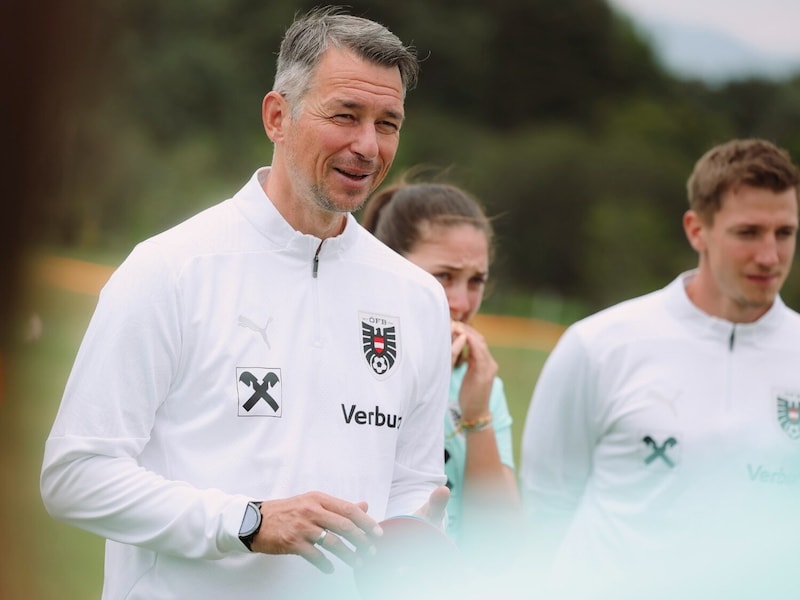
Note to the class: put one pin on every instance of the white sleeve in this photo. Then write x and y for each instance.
(558, 442)
(123, 372)
(419, 465)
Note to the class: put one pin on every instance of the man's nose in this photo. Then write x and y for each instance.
(365, 143)
(768, 251)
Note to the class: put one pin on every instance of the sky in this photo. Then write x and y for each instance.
(721, 39)
(772, 26)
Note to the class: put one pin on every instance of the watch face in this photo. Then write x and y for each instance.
(250, 521)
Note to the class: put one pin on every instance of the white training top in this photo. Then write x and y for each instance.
(226, 363)
(658, 439)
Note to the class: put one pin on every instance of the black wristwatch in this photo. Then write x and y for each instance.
(251, 523)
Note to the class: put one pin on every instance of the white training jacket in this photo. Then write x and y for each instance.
(663, 445)
(233, 358)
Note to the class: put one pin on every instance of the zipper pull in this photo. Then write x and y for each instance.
(315, 262)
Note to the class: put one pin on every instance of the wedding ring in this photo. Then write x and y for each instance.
(321, 537)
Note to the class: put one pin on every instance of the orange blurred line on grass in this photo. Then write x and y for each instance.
(85, 277)
(518, 332)
(73, 275)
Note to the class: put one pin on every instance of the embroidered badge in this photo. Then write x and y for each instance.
(260, 392)
(788, 404)
(380, 345)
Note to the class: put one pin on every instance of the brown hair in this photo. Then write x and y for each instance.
(752, 162)
(398, 214)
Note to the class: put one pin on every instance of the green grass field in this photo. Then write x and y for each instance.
(43, 559)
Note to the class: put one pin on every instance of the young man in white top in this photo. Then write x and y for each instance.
(262, 384)
(661, 451)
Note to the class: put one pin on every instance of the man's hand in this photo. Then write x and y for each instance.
(294, 525)
(433, 510)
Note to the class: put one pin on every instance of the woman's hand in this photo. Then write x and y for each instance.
(468, 344)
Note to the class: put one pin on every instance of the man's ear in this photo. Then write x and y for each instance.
(695, 228)
(274, 115)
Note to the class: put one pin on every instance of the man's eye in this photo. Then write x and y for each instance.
(343, 118)
(387, 127)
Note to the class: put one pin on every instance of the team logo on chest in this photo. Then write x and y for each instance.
(379, 343)
(788, 404)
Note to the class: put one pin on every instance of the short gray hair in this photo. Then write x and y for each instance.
(312, 34)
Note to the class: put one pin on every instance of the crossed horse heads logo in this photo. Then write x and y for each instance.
(660, 451)
(266, 388)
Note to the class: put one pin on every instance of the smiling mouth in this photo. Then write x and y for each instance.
(764, 279)
(352, 175)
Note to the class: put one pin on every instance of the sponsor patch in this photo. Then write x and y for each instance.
(380, 343)
(260, 392)
(660, 449)
(374, 418)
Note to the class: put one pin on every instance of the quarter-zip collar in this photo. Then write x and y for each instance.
(261, 213)
(711, 327)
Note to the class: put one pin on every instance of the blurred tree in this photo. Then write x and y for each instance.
(559, 60)
(555, 111)
(759, 108)
(42, 64)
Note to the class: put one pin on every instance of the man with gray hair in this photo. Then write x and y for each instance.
(264, 383)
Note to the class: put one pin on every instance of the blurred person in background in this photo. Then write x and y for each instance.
(445, 231)
(661, 450)
(264, 383)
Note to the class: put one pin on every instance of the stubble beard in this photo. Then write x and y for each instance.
(323, 200)
(315, 192)
(756, 300)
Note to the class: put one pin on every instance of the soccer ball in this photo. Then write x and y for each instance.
(380, 364)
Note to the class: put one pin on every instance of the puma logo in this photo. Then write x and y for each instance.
(249, 324)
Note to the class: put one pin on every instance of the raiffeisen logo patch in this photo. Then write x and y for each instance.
(380, 343)
(260, 392)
